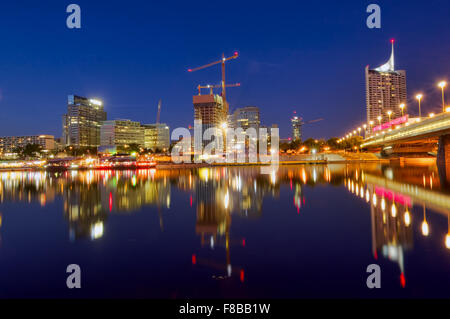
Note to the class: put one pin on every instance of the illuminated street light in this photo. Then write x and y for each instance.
(402, 107)
(442, 85)
(389, 113)
(379, 119)
(370, 127)
(419, 98)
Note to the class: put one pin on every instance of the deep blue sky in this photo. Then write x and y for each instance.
(307, 56)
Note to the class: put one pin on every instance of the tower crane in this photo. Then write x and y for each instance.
(222, 61)
(211, 87)
(313, 121)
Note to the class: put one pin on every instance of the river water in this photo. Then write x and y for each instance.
(226, 232)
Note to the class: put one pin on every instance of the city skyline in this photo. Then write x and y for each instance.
(277, 81)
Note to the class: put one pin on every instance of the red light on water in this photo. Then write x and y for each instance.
(110, 201)
(242, 275)
(402, 280)
(190, 199)
(194, 259)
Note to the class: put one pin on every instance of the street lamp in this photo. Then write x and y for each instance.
(442, 85)
(389, 113)
(419, 98)
(379, 119)
(359, 130)
(402, 107)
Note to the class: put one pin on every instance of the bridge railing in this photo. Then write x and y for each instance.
(437, 123)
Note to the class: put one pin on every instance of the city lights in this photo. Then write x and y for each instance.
(142, 157)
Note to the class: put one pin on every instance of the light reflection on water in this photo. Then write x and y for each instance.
(255, 235)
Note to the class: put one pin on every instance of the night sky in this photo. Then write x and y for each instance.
(307, 56)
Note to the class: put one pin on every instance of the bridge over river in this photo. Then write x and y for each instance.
(424, 136)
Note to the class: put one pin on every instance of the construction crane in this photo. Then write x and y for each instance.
(222, 61)
(211, 87)
(313, 121)
(159, 112)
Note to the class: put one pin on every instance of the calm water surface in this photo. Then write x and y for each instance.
(301, 232)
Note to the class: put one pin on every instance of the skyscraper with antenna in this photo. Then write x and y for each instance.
(385, 90)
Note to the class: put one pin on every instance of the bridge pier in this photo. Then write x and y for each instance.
(443, 160)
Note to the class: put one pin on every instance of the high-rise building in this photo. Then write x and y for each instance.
(121, 133)
(385, 90)
(245, 117)
(9, 143)
(296, 123)
(81, 124)
(157, 136)
(210, 110)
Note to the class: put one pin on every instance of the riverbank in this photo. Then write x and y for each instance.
(305, 159)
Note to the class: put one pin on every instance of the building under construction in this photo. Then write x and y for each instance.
(210, 110)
